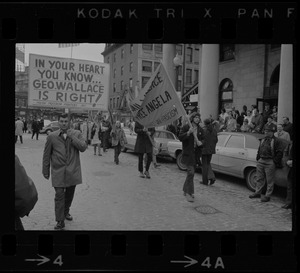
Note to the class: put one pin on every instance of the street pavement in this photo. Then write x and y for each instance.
(114, 197)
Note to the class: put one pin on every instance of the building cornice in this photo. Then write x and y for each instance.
(109, 49)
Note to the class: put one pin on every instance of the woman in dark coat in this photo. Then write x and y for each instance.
(190, 150)
(209, 148)
(143, 145)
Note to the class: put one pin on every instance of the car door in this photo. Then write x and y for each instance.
(233, 155)
(222, 139)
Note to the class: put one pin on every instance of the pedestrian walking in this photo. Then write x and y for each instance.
(35, 129)
(269, 157)
(143, 145)
(25, 126)
(191, 148)
(26, 194)
(61, 152)
(84, 128)
(118, 140)
(19, 130)
(156, 148)
(289, 189)
(209, 141)
(95, 136)
(105, 133)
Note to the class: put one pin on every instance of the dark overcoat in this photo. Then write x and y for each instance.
(143, 143)
(210, 140)
(26, 194)
(189, 151)
(63, 156)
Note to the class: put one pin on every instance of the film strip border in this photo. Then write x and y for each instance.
(135, 22)
(119, 22)
(225, 251)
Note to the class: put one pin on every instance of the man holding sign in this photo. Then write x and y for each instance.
(143, 145)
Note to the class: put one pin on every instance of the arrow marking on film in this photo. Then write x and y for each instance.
(42, 261)
(189, 263)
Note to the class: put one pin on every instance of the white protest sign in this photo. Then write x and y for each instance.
(68, 83)
(158, 103)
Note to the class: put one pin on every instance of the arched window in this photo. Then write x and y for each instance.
(225, 94)
(275, 76)
(271, 92)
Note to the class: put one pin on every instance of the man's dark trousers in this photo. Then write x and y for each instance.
(63, 200)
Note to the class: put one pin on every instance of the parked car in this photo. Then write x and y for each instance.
(236, 156)
(51, 127)
(160, 136)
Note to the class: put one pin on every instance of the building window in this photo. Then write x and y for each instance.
(158, 48)
(189, 76)
(156, 64)
(144, 81)
(108, 60)
(115, 72)
(146, 66)
(147, 46)
(179, 49)
(122, 53)
(111, 103)
(196, 76)
(196, 61)
(178, 85)
(122, 85)
(114, 87)
(122, 70)
(114, 102)
(226, 94)
(118, 99)
(189, 54)
(115, 57)
(130, 82)
(131, 48)
(226, 52)
(179, 70)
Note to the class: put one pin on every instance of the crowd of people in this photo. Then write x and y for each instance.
(31, 126)
(199, 140)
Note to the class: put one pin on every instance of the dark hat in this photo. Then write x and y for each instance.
(194, 114)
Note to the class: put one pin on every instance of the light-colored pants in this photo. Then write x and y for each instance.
(265, 171)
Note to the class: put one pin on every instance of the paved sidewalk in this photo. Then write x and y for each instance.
(114, 197)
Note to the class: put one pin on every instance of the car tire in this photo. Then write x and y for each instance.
(179, 163)
(251, 179)
(123, 149)
(48, 132)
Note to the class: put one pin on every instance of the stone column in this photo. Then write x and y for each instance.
(285, 92)
(169, 53)
(208, 87)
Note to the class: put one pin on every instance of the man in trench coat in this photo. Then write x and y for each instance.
(143, 145)
(62, 153)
